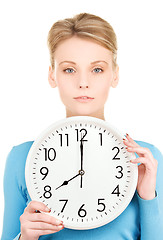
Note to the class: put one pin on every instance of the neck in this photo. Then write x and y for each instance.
(99, 114)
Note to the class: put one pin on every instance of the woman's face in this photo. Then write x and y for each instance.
(83, 68)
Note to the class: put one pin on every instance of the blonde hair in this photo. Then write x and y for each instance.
(83, 25)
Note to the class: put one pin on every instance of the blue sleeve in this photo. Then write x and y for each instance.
(151, 211)
(14, 200)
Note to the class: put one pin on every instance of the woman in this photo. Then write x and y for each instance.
(83, 53)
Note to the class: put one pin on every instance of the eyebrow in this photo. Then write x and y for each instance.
(91, 63)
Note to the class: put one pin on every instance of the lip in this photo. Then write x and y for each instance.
(83, 99)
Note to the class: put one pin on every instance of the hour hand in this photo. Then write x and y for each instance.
(63, 184)
(66, 182)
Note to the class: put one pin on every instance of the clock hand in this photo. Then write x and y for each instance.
(81, 151)
(81, 182)
(66, 182)
(81, 171)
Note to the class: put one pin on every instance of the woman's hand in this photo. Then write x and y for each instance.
(35, 224)
(147, 170)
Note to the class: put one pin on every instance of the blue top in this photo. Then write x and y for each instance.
(141, 220)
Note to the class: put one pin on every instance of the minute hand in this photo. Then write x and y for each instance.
(81, 151)
(81, 171)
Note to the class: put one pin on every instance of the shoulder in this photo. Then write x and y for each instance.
(19, 151)
(16, 158)
(23, 147)
(145, 144)
(14, 174)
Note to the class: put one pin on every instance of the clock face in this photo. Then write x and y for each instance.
(80, 169)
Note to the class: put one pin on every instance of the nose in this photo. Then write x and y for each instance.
(83, 86)
(83, 82)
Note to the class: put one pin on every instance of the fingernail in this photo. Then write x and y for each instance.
(47, 209)
(132, 161)
(61, 226)
(124, 139)
(127, 134)
(59, 222)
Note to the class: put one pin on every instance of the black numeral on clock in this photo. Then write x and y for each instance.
(100, 139)
(64, 200)
(120, 171)
(84, 134)
(44, 171)
(115, 156)
(82, 212)
(61, 139)
(102, 205)
(47, 194)
(50, 154)
(116, 191)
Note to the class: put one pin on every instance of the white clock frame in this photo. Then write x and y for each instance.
(39, 152)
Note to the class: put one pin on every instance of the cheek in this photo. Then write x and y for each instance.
(64, 84)
(64, 88)
(103, 89)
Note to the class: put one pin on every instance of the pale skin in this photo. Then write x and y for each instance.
(34, 225)
(86, 77)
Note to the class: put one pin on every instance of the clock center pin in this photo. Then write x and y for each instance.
(81, 172)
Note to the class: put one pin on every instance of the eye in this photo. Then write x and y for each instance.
(97, 70)
(68, 70)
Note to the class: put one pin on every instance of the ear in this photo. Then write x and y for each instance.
(115, 77)
(51, 79)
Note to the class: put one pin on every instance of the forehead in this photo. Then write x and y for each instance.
(81, 50)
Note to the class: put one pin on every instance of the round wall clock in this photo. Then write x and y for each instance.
(80, 169)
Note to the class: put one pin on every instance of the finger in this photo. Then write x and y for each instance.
(43, 226)
(141, 151)
(42, 217)
(39, 206)
(130, 140)
(46, 232)
(139, 160)
(149, 166)
(128, 143)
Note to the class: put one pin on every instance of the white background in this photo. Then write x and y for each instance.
(27, 103)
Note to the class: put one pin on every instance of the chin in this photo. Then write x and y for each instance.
(83, 112)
